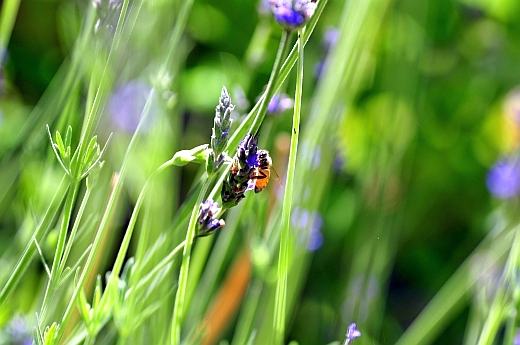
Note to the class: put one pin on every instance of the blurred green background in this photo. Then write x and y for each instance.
(407, 201)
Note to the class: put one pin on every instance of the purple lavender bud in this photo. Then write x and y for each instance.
(503, 179)
(207, 221)
(292, 14)
(352, 333)
(222, 122)
(220, 132)
(239, 178)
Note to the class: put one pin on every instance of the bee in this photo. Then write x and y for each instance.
(262, 173)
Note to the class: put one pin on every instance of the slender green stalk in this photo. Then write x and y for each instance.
(143, 282)
(60, 247)
(178, 311)
(7, 19)
(74, 230)
(118, 264)
(273, 79)
(502, 299)
(30, 249)
(283, 259)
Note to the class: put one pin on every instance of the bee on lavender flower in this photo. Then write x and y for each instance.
(262, 174)
(244, 164)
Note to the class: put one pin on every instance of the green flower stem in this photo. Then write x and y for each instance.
(7, 19)
(118, 264)
(30, 249)
(273, 79)
(502, 300)
(178, 311)
(60, 247)
(74, 230)
(143, 282)
(283, 259)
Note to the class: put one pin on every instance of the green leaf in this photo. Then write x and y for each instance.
(59, 144)
(84, 308)
(50, 333)
(68, 136)
(91, 150)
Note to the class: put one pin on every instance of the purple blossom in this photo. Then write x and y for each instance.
(19, 332)
(516, 340)
(292, 14)
(279, 104)
(207, 221)
(127, 103)
(330, 38)
(307, 225)
(352, 333)
(312, 154)
(503, 179)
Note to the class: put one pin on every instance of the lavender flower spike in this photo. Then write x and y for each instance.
(239, 178)
(292, 14)
(220, 133)
(207, 222)
(352, 333)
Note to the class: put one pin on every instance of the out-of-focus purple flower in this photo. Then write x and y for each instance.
(315, 238)
(352, 333)
(312, 154)
(330, 38)
(503, 179)
(516, 340)
(18, 332)
(207, 221)
(307, 225)
(292, 14)
(279, 104)
(127, 103)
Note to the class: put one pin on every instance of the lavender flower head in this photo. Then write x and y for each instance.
(220, 132)
(239, 179)
(352, 333)
(292, 14)
(207, 223)
(503, 179)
